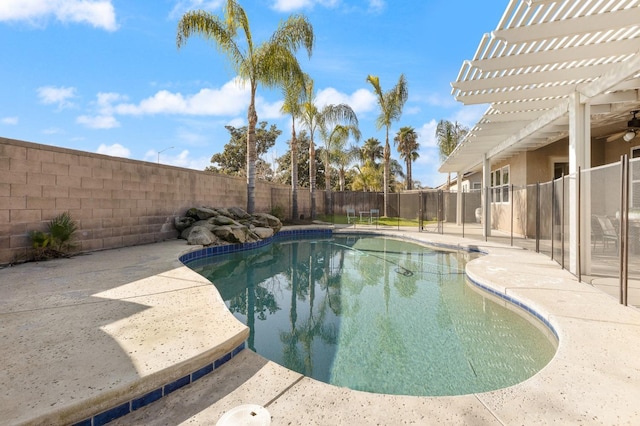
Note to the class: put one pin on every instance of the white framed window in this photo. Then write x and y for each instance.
(500, 181)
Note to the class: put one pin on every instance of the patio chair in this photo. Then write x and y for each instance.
(374, 215)
(602, 229)
(351, 215)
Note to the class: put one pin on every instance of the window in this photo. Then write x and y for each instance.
(500, 180)
(477, 186)
(560, 169)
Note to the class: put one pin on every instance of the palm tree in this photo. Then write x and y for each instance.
(448, 135)
(334, 140)
(391, 104)
(315, 119)
(294, 93)
(342, 158)
(407, 141)
(371, 151)
(367, 178)
(271, 63)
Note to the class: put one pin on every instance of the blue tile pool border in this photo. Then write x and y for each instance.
(154, 395)
(234, 248)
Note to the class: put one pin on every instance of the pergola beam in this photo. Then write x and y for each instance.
(568, 27)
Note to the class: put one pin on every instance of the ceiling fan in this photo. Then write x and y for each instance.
(633, 128)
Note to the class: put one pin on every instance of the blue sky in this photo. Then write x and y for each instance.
(105, 75)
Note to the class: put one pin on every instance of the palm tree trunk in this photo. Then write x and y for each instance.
(387, 170)
(327, 183)
(312, 178)
(409, 177)
(252, 118)
(294, 172)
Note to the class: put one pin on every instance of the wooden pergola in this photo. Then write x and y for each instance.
(551, 70)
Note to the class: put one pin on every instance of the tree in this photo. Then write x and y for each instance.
(294, 95)
(334, 141)
(314, 119)
(342, 159)
(233, 160)
(284, 163)
(271, 63)
(448, 135)
(395, 169)
(407, 141)
(367, 178)
(371, 151)
(391, 104)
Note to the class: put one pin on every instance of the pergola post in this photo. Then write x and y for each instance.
(579, 158)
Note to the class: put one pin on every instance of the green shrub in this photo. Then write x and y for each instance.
(56, 241)
(61, 229)
(277, 211)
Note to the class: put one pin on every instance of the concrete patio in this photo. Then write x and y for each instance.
(93, 332)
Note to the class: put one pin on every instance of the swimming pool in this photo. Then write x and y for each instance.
(377, 314)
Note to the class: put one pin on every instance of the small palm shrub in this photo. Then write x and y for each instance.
(61, 229)
(56, 241)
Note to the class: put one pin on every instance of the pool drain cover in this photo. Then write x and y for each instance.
(246, 415)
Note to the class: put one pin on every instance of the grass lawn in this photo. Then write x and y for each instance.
(383, 221)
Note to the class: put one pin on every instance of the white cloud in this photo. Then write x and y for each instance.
(98, 121)
(231, 99)
(469, 115)
(291, 5)
(183, 159)
(98, 13)
(376, 6)
(361, 100)
(104, 116)
(237, 122)
(57, 95)
(183, 6)
(115, 150)
(12, 121)
(268, 111)
(427, 134)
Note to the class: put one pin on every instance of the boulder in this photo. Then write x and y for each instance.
(263, 233)
(272, 221)
(182, 223)
(201, 213)
(239, 213)
(224, 220)
(208, 225)
(201, 236)
(232, 234)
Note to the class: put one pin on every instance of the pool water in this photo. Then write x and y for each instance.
(378, 315)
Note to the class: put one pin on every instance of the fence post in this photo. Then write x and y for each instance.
(538, 207)
(511, 198)
(553, 215)
(624, 229)
(463, 211)
(420, 211)
(579, 236)
(562, 222)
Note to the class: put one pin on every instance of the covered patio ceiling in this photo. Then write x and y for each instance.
(541, 53)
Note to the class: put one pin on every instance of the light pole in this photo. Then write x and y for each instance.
(163, 151)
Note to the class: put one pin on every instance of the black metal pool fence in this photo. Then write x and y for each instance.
(606, 236)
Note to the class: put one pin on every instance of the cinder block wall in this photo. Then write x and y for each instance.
(117, 202)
